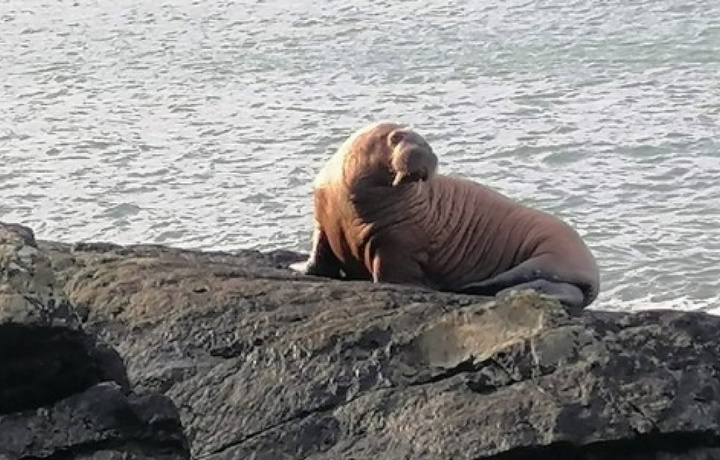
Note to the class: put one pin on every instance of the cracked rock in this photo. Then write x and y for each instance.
(101, 423)
(267, 364)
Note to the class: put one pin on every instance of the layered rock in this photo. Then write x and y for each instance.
(62, 392)
(267, 364)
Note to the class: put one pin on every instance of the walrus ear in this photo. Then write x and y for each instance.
(395, 138)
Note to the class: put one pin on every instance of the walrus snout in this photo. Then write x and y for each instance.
(413, 163)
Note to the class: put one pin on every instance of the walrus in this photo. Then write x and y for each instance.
(383, 213)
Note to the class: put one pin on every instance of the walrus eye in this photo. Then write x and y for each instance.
(396, 137)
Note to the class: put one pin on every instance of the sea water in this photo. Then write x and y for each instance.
(201, 124)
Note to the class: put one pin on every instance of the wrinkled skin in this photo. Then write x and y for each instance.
(382, 213)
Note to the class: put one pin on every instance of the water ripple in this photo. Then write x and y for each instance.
(202, 124)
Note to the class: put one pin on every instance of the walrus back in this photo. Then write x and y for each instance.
(477, 233)
(466, 222)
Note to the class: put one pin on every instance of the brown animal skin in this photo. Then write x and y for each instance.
(382, 213)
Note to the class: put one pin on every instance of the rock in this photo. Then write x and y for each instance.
(264, 363)
(100, 423)
(44, 353)
(62, 391)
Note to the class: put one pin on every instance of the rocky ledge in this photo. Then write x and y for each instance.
(64, 394)
(263, 363)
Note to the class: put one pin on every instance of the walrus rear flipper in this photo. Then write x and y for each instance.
(566, 293)
(528, 276)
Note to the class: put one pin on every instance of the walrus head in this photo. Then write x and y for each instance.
(411, 158)
(382, 154)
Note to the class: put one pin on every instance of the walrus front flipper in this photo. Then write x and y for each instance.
(568, 294)
(322, 260)
(389, 266)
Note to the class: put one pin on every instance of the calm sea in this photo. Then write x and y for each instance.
(202, 123)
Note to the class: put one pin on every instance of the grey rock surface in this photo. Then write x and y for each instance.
(264, 363)
(100, 423)
(63, 393)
